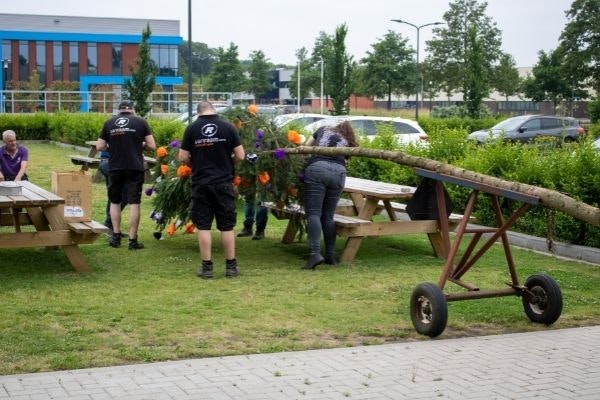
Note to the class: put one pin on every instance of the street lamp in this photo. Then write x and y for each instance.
(4, 79)
(418, 28)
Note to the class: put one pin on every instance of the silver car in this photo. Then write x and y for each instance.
(527, 128)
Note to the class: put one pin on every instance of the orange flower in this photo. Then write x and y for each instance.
(237, 123)
(237, 180)
(264, 178)
(161, 152)
(294, 137)
(183, 171)
(190, 227)
(164, 169)
(252, 109)
(171, 229)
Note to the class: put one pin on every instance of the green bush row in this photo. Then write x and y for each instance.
(573, 169)
(77, 128)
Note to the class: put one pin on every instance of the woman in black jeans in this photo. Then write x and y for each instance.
(324, 181)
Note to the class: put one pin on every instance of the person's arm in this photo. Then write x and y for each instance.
(149, 143)
(21, 171)
(184, 156)
(239, 153)
(101, 144)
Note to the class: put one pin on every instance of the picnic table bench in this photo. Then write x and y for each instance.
(92, 161)
(41, 209)
(355, 220)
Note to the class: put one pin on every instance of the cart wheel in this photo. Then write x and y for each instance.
(428, 309)
(543, 300)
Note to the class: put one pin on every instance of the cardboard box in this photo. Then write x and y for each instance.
(76, 188)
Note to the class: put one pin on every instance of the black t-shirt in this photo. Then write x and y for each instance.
(210, 141)
(327, 137)
(125, 134)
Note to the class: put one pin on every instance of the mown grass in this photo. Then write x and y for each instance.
(149, 305)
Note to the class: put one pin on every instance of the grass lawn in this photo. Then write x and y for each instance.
(149, 305)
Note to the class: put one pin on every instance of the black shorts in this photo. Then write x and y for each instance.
(210, 202)
(125, 183)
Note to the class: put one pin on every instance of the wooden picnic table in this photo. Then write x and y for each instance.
(41, 209)
(357, 220)
(91, 160)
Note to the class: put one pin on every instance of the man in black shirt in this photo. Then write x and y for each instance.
(211, 145)
(126, 135)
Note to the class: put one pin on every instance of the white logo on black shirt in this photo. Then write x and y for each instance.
(122, 122)
(209, 130)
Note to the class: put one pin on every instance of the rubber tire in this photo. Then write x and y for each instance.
(546, 306)
(569, 139)
(428, 309)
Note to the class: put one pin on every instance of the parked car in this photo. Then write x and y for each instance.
(407, 131)
(297, 119)
(526, 128)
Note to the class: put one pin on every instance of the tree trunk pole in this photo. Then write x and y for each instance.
(549, 198)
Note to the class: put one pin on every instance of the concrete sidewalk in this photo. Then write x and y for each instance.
(547, 364)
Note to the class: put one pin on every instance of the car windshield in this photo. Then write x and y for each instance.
(509, 124)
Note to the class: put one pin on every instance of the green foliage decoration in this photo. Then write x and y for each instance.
(267, 174)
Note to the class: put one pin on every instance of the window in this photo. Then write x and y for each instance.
(6, 55)
(92, 54)
(550, 123)
(40, 56)
(166, 58)
(57, 61)
(117, 59)
(532, 125)
(402, 127)
(23, 60)
(73, 61)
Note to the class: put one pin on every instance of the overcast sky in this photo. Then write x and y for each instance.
(280, 27)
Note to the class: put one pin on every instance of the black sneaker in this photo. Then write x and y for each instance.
(313, 260)
(206, 270)
(245, 232)
(330, 259)
(231, 269)
(260, 234)
(115, 240)
(135, 245)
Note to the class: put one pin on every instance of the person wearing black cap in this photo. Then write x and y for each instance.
(127, 136)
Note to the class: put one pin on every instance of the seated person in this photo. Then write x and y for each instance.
(13, 158)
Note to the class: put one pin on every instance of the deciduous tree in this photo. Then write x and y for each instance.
(389, 67)
(227, 74)
(259, 77)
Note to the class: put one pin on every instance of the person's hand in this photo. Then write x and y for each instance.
(1, 178)
(251, 158)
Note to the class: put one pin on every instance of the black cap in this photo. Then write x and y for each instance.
(125, 105)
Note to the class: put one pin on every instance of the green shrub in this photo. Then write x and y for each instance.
(26, 126)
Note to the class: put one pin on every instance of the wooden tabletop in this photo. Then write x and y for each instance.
(382, 190)
(32, 195)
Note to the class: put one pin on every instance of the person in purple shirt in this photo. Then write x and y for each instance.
(13, 158)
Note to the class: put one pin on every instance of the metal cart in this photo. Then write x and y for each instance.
(540, 294)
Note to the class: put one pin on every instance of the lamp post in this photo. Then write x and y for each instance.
(321, 85)
(417, 86)
(4, 79)
(190, 76)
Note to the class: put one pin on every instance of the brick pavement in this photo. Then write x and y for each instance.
(547, 364)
